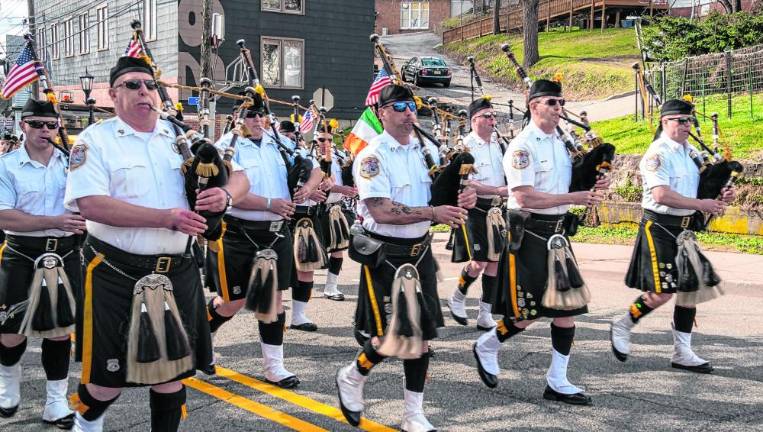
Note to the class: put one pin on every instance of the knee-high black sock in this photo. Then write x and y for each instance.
(561, 338)
(416, 373)
(55, 358)
(302, 291)
(506, 329)
(335, 265)
(489, 287)
(214, 318)
(272, 334)
(639, 309)
(683, 318)
(9, 356)
(368, 358)
(464, 281)
(166, 410)
(87, 406)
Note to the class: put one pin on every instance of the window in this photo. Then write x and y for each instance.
(42, 50)
(414, 14)
(102, 17)
(282, 62)
(54, 54)
(69, 37)
(149, 19)
(84, 34)
(284, 6)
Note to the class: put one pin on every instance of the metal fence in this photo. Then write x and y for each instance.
(731, 73)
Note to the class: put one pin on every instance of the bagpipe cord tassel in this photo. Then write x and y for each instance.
(148, 346)
(176, 339)
(576, 280)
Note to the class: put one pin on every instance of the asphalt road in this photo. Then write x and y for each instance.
(642, 394)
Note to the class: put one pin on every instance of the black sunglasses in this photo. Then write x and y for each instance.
(38, 124)
(487, 116)
(325, 139)
(683, 120)
(254, 114)
(553, 102)
(134, 84)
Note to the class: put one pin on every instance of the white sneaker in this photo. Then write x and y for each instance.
(413, 416)
(350, 383)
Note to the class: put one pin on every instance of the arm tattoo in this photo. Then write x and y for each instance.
(375, 202)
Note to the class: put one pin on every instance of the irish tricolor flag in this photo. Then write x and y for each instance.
(367, 127)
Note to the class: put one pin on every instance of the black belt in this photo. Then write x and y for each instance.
(403, 247)
(155, 263)
(42, 244)
(554, 223)
(488, 203)
(306, 210)
(254, 225)
(669, 220)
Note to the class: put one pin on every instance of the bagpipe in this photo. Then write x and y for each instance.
(502, 141)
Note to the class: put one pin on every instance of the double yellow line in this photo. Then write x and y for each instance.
(269, 413)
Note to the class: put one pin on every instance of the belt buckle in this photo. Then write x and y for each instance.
(163, 264)
(275, 226)
(685, 222)
(51, 245)
(416, 249)
(497, 201)
(558, 227)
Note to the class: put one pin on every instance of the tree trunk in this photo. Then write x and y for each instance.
(530, 32)
(497, 17)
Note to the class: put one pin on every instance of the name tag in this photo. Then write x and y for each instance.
(275, 226)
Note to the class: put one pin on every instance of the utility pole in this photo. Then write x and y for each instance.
(206, 58)
(33, 32)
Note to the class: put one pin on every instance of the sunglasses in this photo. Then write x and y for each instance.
(553, 102)
(487, 116)
(401, 106)
(325, 139)
(134, 84)
(38, 124)
(683, 120)
(254, 114)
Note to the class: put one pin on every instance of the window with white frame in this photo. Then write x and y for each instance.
(284, 6)
(54, 53)
(414, 14)
(282, 62)
(42, 50)
(102, 18)
(69, 37)
(149, 19)
(84, 34)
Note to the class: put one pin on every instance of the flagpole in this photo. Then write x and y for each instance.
(47, 88)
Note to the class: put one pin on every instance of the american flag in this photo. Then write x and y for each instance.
(382, 80)
(21, 74)
(133, 49)
(307, 122)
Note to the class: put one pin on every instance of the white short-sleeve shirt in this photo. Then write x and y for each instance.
(669, 163)
(336, 173)
(540, 160)
(488, 160)
(387, 169)
(33, 188)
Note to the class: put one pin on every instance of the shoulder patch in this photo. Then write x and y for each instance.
(653, 162)
(520, 159)
(369, 167)
(78, 156)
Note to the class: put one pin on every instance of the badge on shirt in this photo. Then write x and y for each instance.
(369, 167)
(520, 159)
(78, 156)
(653, 162)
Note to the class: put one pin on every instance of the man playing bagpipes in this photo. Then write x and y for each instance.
(485, 226)
(398, 305)
(39, 263)
(666, 259)
(253, 263)
(538, 274)
(142, 320)
(309, 252)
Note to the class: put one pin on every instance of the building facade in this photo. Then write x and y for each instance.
(407, 16)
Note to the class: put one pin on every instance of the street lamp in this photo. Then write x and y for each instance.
(87, 86)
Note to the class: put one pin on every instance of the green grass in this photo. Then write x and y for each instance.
(625, 234)
(741, 132)
(594, 64)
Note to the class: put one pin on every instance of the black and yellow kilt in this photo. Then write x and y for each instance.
(653, 262)
(477, 228)
(106, 301)
(374, 291)
(324, 224)
(230, 267)
(522, 275)
(17, 271)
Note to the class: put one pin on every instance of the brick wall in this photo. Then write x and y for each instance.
(388, 15)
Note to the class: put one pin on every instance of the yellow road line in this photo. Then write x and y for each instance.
(257, 408)
(297, 399)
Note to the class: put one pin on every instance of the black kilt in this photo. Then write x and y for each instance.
(371, 316)
(16, 271)
(477, 229)
(103, 325)
(653, 262)
(323, 228)
(238, 257)
(521, 297)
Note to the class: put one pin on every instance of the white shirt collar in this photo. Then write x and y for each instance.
(674, 145)
(538, 132)
(25, 159)
(161, 127)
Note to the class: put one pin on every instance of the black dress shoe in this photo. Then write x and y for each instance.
(286, 383)
(704, 368)
(208, 370)
(65, 423)
(308, 327)
(458, 319)
(483, 328)
(8, 412)
(352, 417)
(618, 355)
(489, 379)
(335, 297)
(572, 399)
